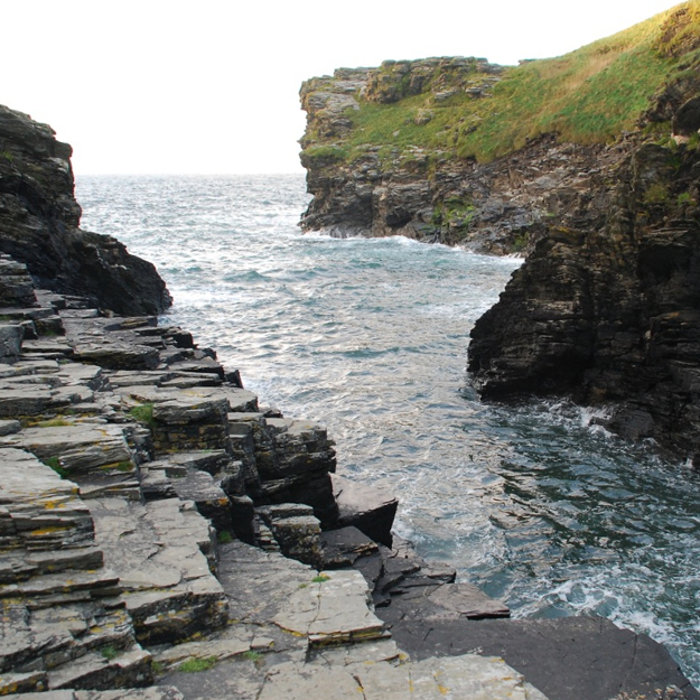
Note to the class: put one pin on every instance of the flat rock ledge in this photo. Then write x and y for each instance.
(163, 536)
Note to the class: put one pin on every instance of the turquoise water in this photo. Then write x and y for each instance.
(369, 337)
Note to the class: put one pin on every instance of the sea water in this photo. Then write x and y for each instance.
(368, 336)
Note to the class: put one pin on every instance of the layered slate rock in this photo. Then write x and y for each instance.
(607, 311)
(469, 676)
(39, 220)
(91, 452)
(285, 461)
(567, 658)
(301, 634)
(369, 509)
(63, 621)
(429, 194)
(332, 608)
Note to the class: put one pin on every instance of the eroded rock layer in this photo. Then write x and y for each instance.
(429, 194)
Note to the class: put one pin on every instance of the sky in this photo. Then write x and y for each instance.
(211, 86)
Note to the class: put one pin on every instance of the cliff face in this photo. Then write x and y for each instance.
(609, 309)
(39, 220)
(428, 194)
(461, 151)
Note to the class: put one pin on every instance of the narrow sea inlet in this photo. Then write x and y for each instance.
(368, 337)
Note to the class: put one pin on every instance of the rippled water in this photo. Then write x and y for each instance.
(369, 336)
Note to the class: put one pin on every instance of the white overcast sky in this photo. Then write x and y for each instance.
(211, 86)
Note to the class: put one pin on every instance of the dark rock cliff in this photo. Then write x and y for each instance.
(39, 225)
(607, 308)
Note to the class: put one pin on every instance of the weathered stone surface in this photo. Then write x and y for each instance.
(188, 419)
(344, 546)
(258, 583)
(285, 461)
(492, 207)
(10, 340)
(421, 598)
(59, 607)
(209, 499)
(94, 454)
(16, 286)
(296, 530)
(331, 609)
(160, 552)
(94, 671)
(467, 676)
(554, 330)
(151, 693)
(38, 510)
(566, 658)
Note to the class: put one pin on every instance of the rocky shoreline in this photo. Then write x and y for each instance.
(605, 308)
(165, 536)
(161, 531)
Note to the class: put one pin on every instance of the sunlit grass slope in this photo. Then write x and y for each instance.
(591, 95)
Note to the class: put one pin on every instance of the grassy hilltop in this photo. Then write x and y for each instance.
(591, 95)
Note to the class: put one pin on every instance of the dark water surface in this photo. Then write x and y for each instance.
(368, 337)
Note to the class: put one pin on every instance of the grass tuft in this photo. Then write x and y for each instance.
(195, 665)
(143, 413)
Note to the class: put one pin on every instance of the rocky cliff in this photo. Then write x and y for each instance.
(588, 162)
(164, 537)
(423, 192)
(609, 308)
(39, 225)
(461, 151)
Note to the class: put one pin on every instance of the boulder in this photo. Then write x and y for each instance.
(369, 509)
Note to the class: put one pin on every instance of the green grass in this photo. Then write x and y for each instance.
(321, 578)
(109, 652)
(54, 463)
(53, 423)
(143, 413)
(588, 96)
(195, 665)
